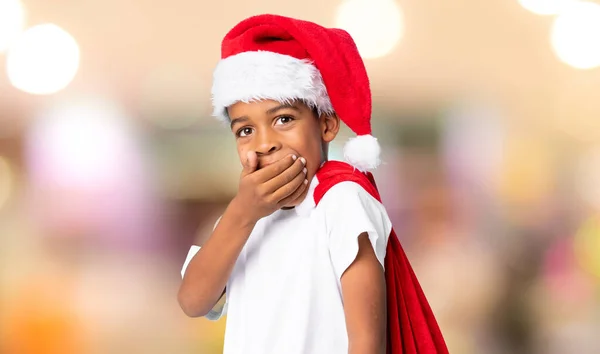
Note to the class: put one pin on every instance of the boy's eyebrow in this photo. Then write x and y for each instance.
(238, 120)
(270, 111)
(273, 110)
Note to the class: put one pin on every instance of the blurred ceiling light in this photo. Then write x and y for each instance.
(375, 25)
(575, 35)
(6, 181)
(12, 21)
(545, 7)
(43, 60)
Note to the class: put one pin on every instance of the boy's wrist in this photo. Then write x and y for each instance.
(239, 213)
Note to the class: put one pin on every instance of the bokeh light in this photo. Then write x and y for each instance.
(43, 60)
(545, 7)
(375, 25)
(40, 316)
(587, 245)
(563, 277)
(12, 21)
(80, 145)
(575, 35)
(526, 176)
(89, 176)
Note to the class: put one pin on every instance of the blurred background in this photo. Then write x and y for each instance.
(110, 165)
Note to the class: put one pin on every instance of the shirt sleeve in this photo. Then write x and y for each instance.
(220, 307)
(350, 211)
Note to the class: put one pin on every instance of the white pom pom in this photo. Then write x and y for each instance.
(363, 152)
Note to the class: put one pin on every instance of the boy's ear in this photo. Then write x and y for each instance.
(330, 126)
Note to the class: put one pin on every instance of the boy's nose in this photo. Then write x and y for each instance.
(266, 150)
(267, 145)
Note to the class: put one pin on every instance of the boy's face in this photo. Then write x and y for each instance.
(274, 130)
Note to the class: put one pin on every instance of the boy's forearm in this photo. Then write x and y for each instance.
(207, 274)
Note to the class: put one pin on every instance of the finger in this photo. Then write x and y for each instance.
(265, 174)
(297, 193)
(250, 163)
(289, 188)
(286, 176)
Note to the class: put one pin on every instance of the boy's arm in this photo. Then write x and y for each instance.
(359, 227)
(206, 275)
(260, 194)
(220, 307)
(364, 294)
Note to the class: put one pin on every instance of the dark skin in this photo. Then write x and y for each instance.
(281, 147)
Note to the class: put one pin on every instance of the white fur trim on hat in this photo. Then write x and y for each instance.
(363, 152)
(260, 75)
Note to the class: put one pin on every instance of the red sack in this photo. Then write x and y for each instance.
(411, 327)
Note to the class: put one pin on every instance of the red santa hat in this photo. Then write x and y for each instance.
(284, 59)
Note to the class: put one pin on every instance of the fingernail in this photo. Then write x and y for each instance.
(304, 170)
(294, 157)
(303, 160)
(305, 181)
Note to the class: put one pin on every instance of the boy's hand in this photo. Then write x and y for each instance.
(267, 190)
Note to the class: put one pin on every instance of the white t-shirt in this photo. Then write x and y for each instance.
(284, 294)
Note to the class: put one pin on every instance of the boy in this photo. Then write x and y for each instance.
(297, 260)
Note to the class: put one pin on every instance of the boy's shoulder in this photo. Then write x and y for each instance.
(349, 209)
(347, 201)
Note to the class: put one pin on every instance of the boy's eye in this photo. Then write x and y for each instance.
(244, 132)
(284, 119)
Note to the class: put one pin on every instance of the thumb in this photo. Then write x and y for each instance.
(250, 163)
